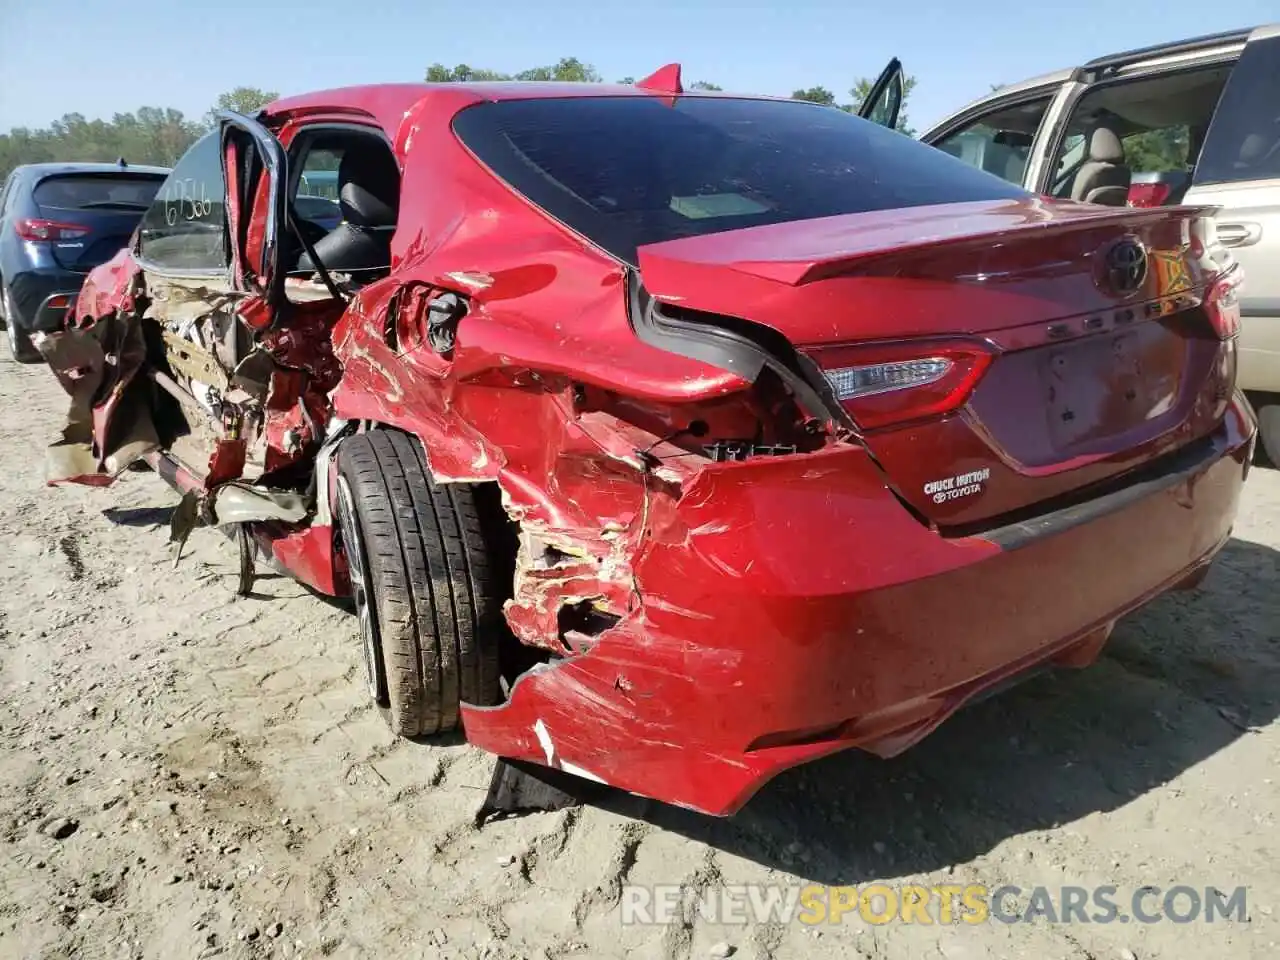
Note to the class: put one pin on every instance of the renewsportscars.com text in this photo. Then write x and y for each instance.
(879, 904)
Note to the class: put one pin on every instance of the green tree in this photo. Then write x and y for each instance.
(1157, 151)
(246, 100)
(158, 135)
(815, 95)
(861, 90)
(149, 135)
(439, 73)
(568, 69)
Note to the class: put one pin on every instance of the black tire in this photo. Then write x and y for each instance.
(430, 613)
(1269, 434)
(20, 346)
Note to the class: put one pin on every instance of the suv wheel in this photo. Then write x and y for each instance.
(1269, 432)
(429, 613)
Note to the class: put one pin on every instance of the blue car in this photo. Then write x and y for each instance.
(57, 222)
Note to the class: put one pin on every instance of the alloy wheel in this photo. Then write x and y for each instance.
(361, 591)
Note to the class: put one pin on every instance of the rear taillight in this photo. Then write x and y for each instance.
(1222, 304)
(884, 384)
(1149, 194)
(36, 229)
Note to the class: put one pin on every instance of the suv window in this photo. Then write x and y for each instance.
(1163, 150)
(186, 227)
(998, 142)
(630, 171)
(1156, 121)
(317, 196)
(1243, 142)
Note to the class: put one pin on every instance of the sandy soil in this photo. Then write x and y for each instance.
(232, 793)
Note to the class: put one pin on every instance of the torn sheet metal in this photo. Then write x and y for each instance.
(97, 364)
(233, 504)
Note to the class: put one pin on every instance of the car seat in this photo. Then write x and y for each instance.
(1103, 177)
(369, 198)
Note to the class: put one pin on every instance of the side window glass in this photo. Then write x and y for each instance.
(1243, 142)
(999, 142)
(1150, 126)
(186, 227)
(885, 110)
(1157, 150)
(316, 199)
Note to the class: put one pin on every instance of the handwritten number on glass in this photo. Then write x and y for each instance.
(186, 200)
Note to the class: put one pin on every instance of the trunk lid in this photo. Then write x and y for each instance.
(1073, 358)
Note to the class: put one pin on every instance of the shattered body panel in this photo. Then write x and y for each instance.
(701, 621)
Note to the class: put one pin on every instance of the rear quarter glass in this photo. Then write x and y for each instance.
(629, 171)
(1243, 142)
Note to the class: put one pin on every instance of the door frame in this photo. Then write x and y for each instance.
(1057, 92)
(1075, 91)
(891, 74)
(265, 279)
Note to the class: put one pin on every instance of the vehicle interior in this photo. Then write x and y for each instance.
(1116, 131)
(1001, 143)
(349, 239)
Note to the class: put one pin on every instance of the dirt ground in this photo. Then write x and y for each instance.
(221, 786)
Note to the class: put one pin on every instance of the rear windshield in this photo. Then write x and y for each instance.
(629, 171)
(104, 191)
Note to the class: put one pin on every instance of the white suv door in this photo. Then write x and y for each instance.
(1239, 170)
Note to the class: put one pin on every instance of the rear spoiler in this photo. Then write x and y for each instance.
(850, 249)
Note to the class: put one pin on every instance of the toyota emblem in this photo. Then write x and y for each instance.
(1125, 263)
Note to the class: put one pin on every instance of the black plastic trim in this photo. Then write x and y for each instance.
(1260, 306)
(1192, 45)
(745, 351)
(1144, 482)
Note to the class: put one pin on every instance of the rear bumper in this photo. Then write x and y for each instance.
(793, 609)
(31, 292)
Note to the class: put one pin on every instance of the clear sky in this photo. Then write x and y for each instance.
(97, 57)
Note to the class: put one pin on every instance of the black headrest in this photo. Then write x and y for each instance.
(370, 186)
(361, 207)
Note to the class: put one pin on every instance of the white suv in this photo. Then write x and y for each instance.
(1191, 122)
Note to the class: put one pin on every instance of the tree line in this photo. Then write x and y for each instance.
(149, 135)
(571, 69)
(160, 135)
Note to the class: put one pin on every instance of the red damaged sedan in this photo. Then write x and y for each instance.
(666, 439)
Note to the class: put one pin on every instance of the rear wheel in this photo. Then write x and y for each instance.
(1269, 432)
(428, 608)
(20, 346)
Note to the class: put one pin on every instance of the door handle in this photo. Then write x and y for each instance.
(1239, 234)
